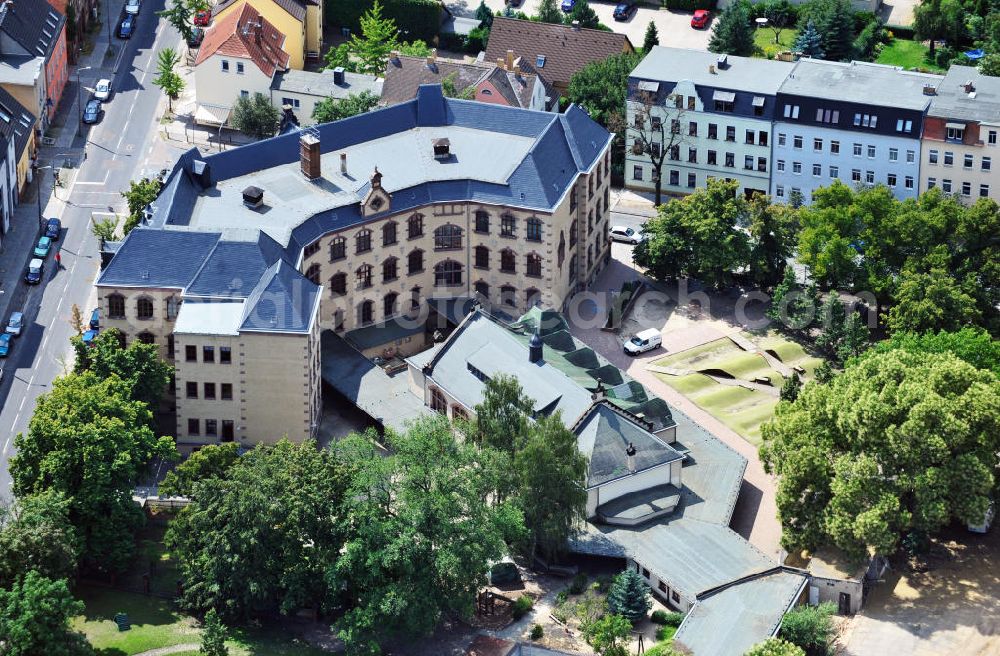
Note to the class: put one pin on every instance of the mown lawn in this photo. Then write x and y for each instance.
(764, 39)
(906, 53)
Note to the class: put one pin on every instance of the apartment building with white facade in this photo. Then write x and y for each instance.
(718, 113)
(959, 150)
(856, 122)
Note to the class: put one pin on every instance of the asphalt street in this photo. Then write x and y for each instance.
(118, 149)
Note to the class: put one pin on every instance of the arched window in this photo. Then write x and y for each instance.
(363, 241)
(483, 289)
(364, 276)
(389, 233)
(338, 284)
(458, 412)
(415, 262)
(146, 337)
(390, 269)
(338, 249)
(561, 251)
(448, 274)
(438, 402)
(532, 297)
(116, 306)
(508, 225)
(508, 261)
(572, 233)
(533, 263)
(534, 229)
(366, 312)
(415, 226)
(144, 308)
(312, 273)
(447, 237)
(389, 304)
(483, 222)
(508, 295)
(310, 250)
(482, 260)
(172, 307)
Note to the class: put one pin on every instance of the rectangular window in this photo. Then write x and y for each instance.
(992, 138)
(817, 170)
(968, 161)
(987, 163)
(730, 133)
(931, 183)
(796, 191)
(857, 120)
(762, 164)
(899, 125)
(208, 354)
(954, 134)
(779, 166)
(637, 172)
(946, 186)
(911, 156)
(834, 172)
(871, 152)
(191, 389)
(209, 390)
(194, 427)
(870, 177)
(966, 188)
(781, 138)
(835, 147)
(751, 137)
(890, 179)
(675, 597)
(779, 191)
(762, 138)
(692, 155)
(244, 93)
(227, 430)
(748, 162)
(225, 66)
(693, 129)
(857, 150)
(819, 115)
(692, 180)
(817, 145)
(211, 427)
(226, 392)
(796, 168)
(291, 102)
(984, 190)
(855, 175)
(712, 158)
(645, 573)
(797, 142)
(713, 131)
(508, 226)
(909, 126)
(932, 157)
(225, 355)
(239, 68)
(190, 353)
(893, 154)
(730, 160)
(908, 181)
(675, 177)
(949, 158)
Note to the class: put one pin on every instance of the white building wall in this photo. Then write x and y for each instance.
(214, 86)
(804, 158)
(620, 487)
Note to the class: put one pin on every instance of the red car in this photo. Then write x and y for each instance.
(700, 19)
(203, 18)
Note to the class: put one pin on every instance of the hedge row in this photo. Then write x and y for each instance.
(901, 32)
(417, 19)
(688, 5)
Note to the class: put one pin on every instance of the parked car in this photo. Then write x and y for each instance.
(567, 5)
(197, 36)
(624, 234)
(53, 228)
(103, 90)
(5, 344)
(624, 10)
(132, 6)
(203, 18)
(95, 319)
(92, 112)
(15, 324)
(647, 340)
(89, 337)
(34, 274)
(700, 19)
(42, 247)
(126, 27)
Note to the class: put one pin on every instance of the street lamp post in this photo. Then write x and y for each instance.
(107, 11)
(79, 99)
(38, 178)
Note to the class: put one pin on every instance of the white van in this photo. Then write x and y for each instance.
(647, 340)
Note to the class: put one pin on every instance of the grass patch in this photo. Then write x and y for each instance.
(743, 365)
(689, 385)
(154, 622)
(908, 54)
(763, 38)
(665, 633)
(694, 357)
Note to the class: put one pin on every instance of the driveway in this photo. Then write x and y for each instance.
(674, 26)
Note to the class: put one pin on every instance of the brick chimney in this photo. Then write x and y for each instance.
(510, 59)
(309, 156)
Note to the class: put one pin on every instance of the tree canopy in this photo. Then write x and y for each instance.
(210, 461)
(775, 647)
(255, 116)
(167, 77)
(584, 14)
(973, 345)
(35, 614)
(732, 33)
(139, 365)
(901, 442)
(834, 21)
(629, 596)
(651, 38)
(334, 109)
(600, 87)
(548, 12)
(139, 195)
(36, 534)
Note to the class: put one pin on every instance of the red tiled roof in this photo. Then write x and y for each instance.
(247, 34)
(566, 50)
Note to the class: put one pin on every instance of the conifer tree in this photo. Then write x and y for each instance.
(652, 37)
(629, 596)
(809, 42)
(732, 34)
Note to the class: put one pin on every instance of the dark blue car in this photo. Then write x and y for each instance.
(127, 27)
(5, 344)
(52, 229)
(95, 319)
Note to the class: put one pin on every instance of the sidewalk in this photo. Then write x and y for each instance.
(627, 201)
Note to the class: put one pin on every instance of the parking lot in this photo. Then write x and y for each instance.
(674, 26)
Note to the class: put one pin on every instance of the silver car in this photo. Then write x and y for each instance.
(624, 234)
(132, 7)
(103, 90)
(15, 324)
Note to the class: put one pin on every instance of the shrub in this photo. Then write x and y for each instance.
(579, 584)
(901, 32)
(688, 5)
(809, 627)
(665, 633)
(537, 632)
(418, 19)
(522, 605)
(667, 619)
(603, 583)
(475, 42)
(561, 597)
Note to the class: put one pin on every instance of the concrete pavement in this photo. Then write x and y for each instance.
(109, 155)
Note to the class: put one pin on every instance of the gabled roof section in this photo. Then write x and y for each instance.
(16, 122)
(247, 34)
(606, 433)
(565, 50)
(32, 24)
(284, 301)
(295, 8)
(404, 75)
(234, 268)
(952, 100)
(158, 258)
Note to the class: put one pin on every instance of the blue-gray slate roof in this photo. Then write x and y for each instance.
(159, 258)
(233, 269)
(283, 301)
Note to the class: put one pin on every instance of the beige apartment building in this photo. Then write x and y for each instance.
(959, 151)
(364, 228)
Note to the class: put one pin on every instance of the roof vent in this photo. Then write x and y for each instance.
(929, 90)
(969, 87)
(535, 348)
(711, 69)
(338, 75)
(201, 172)
(253, 197)
(630, 457)
(576, 25)
(442, 149)
(722, 61)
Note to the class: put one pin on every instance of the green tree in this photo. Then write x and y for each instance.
(824, 372)
(379, 37)
(501, 418)
(990, 65)
(830, 235)
(583, 14)
(36, 534)
(484, 15)
(971, 344)
(609, 635)
(900, 442)
(932, 301)
(629, 596)
(140, 195)
(550, 472)
(773, 235)
(779, 14)
(791, 387)
(213, 636)
(255, 116)
(103, 229)
(89, 441)
(334, 109)
(698, 236)
(810, 628)
(279, 507)
(450, 89)
(179, 17)
(166, 77)
(834, 20)
(211, 461)
(775, 647)
(548, 12)
(867, 42)
(652, 37)
(421, 538)
(139, 365)
(792, 304)
(809, 41)
(940, 20)
(600, 87)
(415, 48)
(35, 614)
(732, 33)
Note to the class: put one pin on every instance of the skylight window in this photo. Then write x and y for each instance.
(540, 61)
